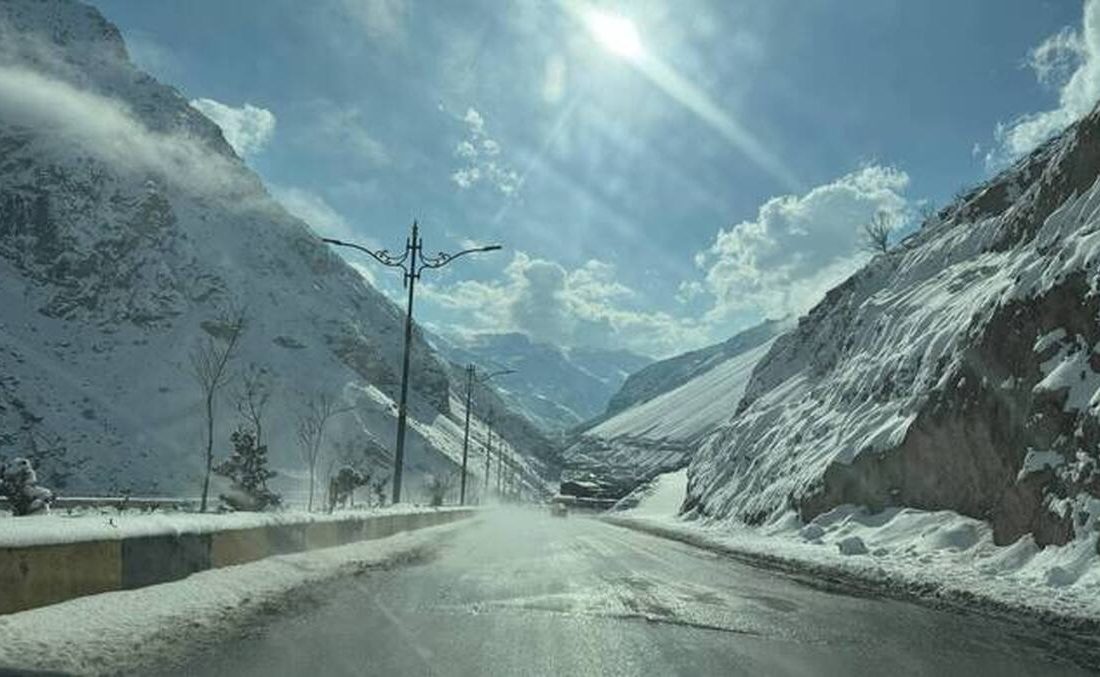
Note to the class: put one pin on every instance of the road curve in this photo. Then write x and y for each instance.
(522, 593)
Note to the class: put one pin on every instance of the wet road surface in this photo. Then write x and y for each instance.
(523, 593)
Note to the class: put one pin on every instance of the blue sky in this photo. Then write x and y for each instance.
(661, 173)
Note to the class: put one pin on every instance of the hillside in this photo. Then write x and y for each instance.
(670, 373)
(557, 388)
(127, 226)
(957, 372)
(688, 396)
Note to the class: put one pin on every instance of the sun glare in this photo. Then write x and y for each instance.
(615, 33)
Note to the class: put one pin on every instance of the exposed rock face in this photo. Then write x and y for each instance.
(930, 377)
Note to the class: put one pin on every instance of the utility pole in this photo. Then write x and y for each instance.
(500, 468)
(471, 373)
(412, 263)
(488, 452)
(470, 368)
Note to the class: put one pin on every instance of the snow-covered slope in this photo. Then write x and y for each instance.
(659, 434)
(661, 377)
(127, 224)
(557, 388)
(957, 372)
(687, 411)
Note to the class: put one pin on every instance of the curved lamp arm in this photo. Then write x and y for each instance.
(382, 255)
(502, 372)
(442, 258)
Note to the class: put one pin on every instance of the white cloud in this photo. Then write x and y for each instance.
(582, 306)
(1068, 61)
(474, 121)
(798, 246)
(314, 210)
(72, 118)
(480, 156)
(247, 129)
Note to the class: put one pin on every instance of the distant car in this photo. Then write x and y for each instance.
(559, 510)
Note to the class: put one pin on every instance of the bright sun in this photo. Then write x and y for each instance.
(615, 33)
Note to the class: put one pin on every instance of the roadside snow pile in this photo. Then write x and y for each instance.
(151, 629)
(938, 554)
(58, 528)
(927, 378)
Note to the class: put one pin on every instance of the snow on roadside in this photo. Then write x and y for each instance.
(939, 553)
(660, 497)
(136, 631)
(16, 532)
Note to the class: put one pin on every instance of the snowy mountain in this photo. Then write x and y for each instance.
(957, 372)
(665, 375)
(557, 388)
(672, 405)
(127, 225)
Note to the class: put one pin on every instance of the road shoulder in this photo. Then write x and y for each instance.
(1080, 632)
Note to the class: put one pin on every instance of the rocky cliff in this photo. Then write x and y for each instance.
(959, 371)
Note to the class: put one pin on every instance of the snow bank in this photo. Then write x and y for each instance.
(57, 528)
(150, 629)
(938, 554)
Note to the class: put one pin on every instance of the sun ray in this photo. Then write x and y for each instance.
(619, 36)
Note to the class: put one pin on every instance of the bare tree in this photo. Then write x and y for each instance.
(876, 233)
(252, 397)
(438, 486)
(319, 410)
(210, 361)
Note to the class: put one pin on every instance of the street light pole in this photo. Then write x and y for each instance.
(412, 263)
(470, 375)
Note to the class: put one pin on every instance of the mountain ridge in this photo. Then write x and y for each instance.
(126, 223)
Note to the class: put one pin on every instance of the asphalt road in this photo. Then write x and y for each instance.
(522, 593)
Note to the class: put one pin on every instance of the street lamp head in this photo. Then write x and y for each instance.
(491, 248)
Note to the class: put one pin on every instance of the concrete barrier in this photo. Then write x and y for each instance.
(37, 575)
(47, 574)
